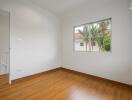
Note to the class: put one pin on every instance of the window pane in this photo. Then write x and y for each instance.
(93, 36)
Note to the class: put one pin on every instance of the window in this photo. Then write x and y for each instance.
(94, 36)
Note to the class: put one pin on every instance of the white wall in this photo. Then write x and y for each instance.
(4, 31)
(116, 65)
(34, 38)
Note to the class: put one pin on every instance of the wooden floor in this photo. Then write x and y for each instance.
(4, 79)
(64, 85)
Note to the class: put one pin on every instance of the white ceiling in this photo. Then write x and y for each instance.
(58, 6)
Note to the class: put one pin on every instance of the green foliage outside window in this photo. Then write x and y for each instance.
(97, 33)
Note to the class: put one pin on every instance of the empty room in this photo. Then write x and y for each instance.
(65, 49)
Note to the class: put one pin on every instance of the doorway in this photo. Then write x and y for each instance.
(4, 47)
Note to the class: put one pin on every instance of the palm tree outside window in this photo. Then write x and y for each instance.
(94, 36)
